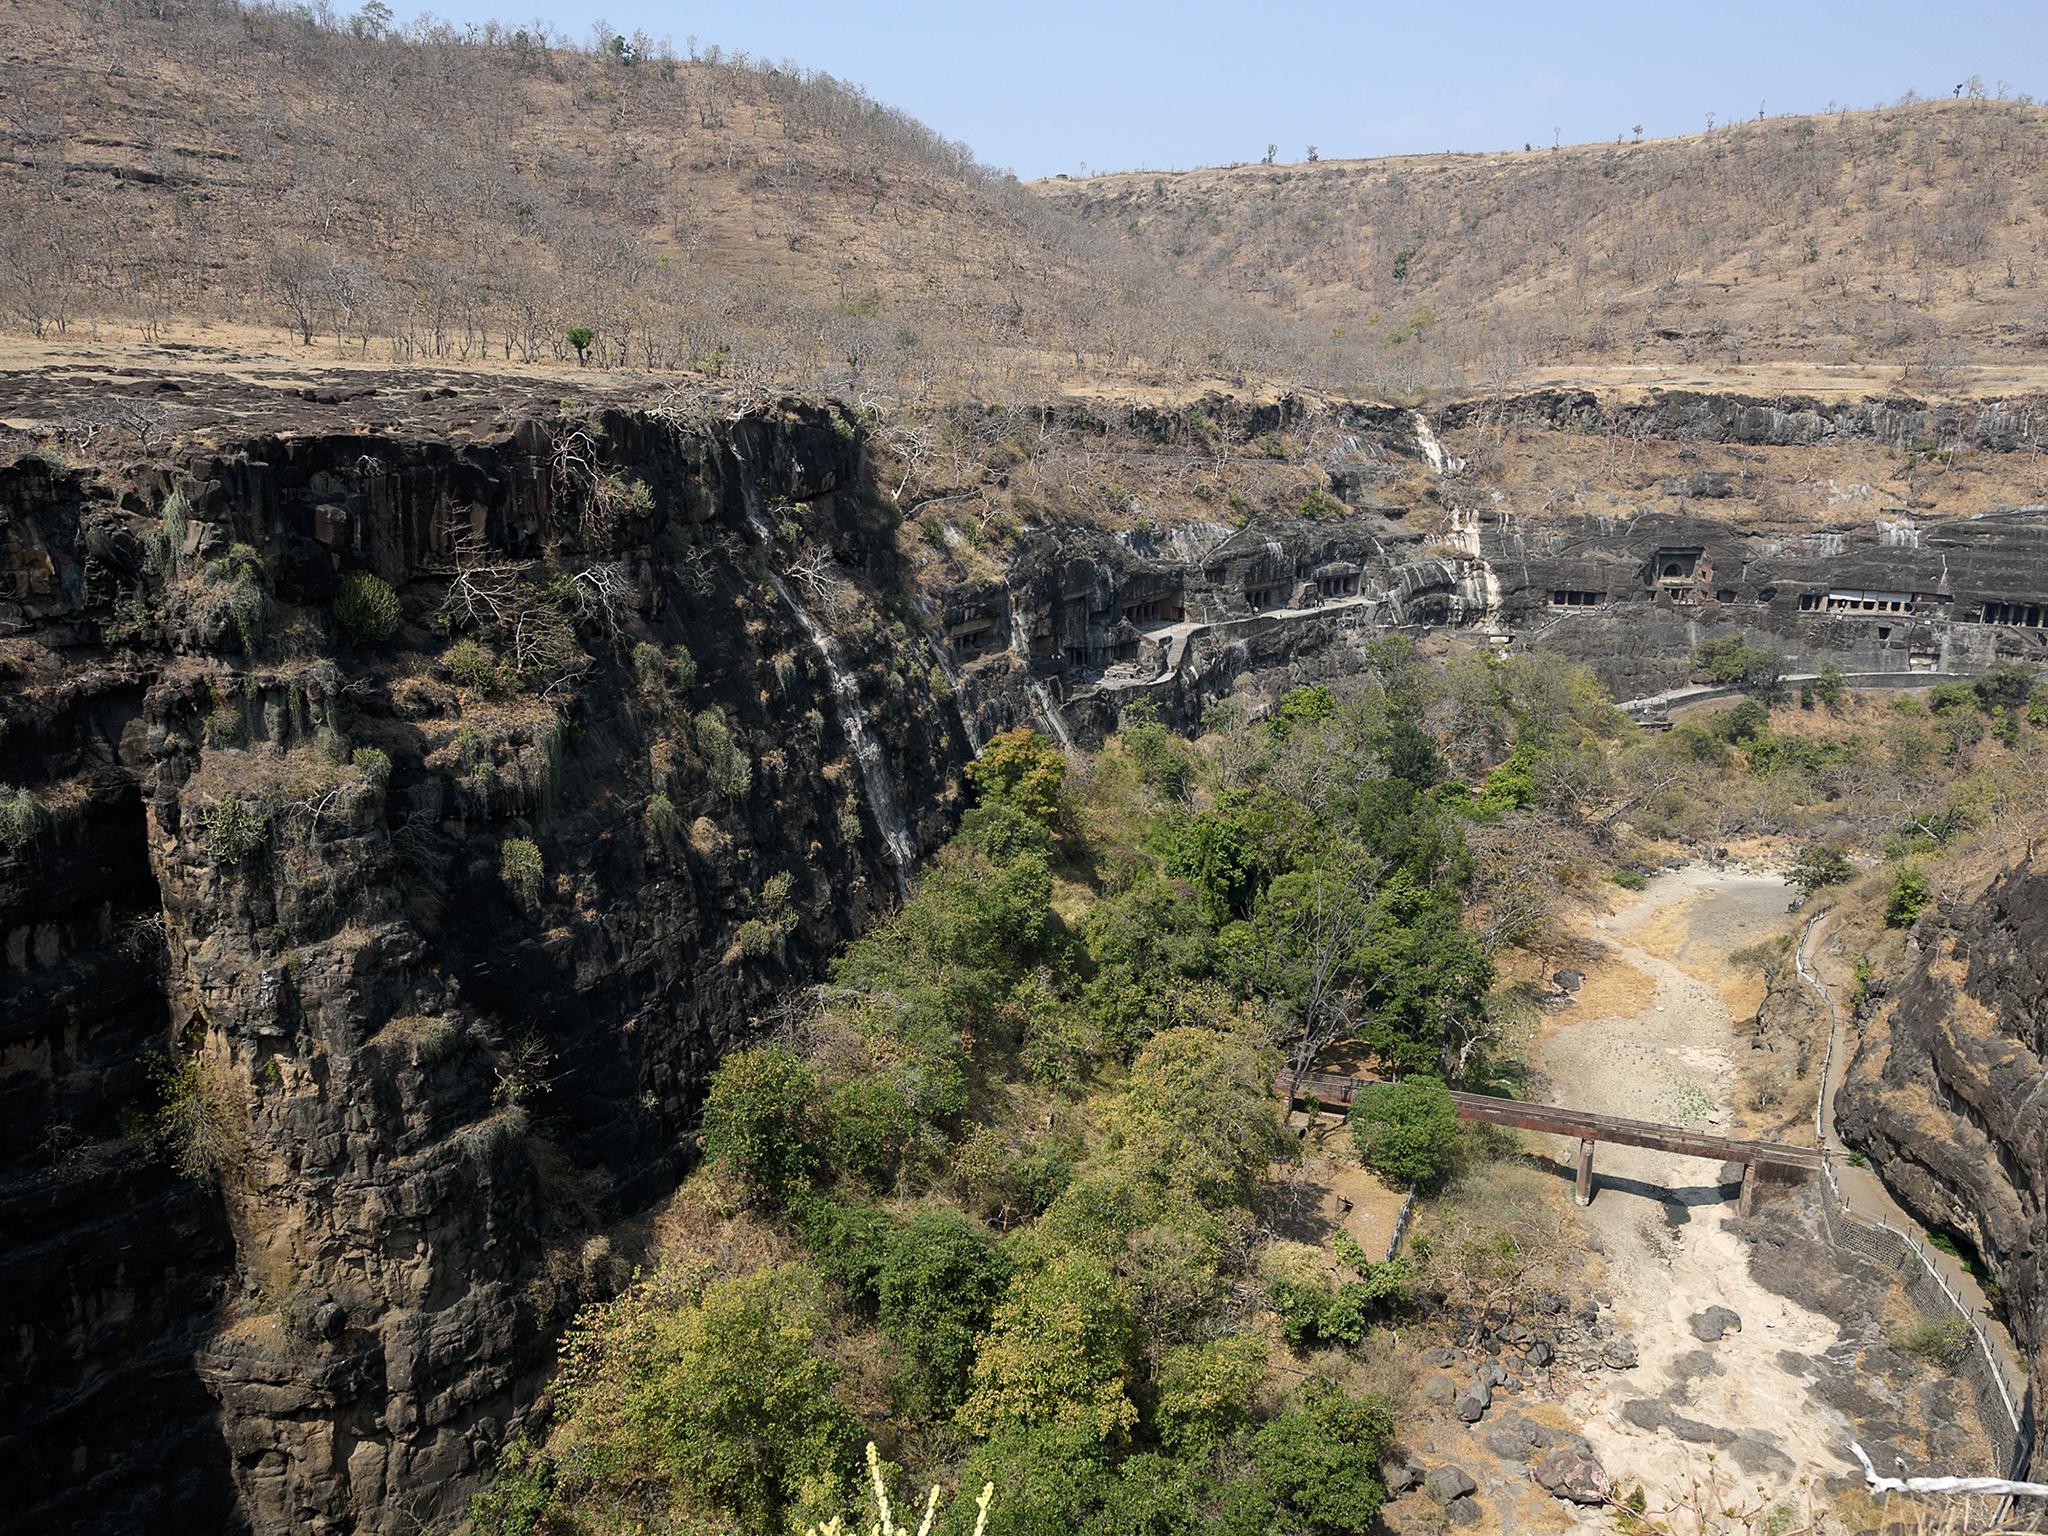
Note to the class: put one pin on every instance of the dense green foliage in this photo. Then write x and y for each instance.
(1407, 1130)
(1001, 1192)
(1023, 770)
(1731, 661)
(1909, 897)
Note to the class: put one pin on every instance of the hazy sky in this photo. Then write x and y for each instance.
(1051, 85)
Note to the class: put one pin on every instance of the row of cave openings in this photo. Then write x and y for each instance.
(1684, 577)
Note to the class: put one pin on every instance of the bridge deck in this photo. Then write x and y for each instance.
(1330, 1089)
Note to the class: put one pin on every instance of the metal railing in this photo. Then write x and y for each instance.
(1904, 1244)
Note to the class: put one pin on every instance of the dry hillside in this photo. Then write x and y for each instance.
(254, 177)
(1916, 233)
(464, 194)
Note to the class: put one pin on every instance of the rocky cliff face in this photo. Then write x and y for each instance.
(427, 950)
(355, 985)
(1945, 1091)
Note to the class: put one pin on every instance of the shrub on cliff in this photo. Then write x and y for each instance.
(521, 868)
(1909, 897)
(664, 823)
(234, 830)
(729, 768)
(203, 1117)
(366, 608)
(23, 821)
(472, 665)
(758, 1119)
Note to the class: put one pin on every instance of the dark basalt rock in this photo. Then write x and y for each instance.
(339, 1332)
(1944, 1092)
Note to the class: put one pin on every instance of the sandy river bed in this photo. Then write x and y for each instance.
(1734, 1412)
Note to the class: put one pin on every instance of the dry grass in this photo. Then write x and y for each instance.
(1910, 233)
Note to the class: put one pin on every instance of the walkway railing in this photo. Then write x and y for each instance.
(1896, 1246)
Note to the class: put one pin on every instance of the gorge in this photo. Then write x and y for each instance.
(723, 713)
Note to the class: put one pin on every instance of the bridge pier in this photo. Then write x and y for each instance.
(1745, 1203)
(1584, 1194)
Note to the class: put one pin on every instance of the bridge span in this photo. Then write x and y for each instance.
(1777, 1161)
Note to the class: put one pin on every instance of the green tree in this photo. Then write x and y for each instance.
(520, 1497)
(1148, 949)
(1830, 685)
(757, 1120)
(2007, 685)
(1311, 704)
(870, 1126)
(1059, 1353)
(1003, 832)
(1747, 721)
(1218, 852)
(850, 1243)
(1199, 1116)
(1022, 769)
(1319, 1463)
(937, 1287)
(1205, 1390)
(581, 337)
(1731, 661)
(1407, 1130)
(949, 958)
(1909, 897)
(1050, 1481)
(1820, 865)
(736, 1402)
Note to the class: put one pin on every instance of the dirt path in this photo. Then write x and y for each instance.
(1729, 1410)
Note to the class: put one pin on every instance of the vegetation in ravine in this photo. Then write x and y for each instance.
(1000, 1199)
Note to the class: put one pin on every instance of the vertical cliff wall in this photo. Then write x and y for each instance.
(1945, 1091)
(414, 950)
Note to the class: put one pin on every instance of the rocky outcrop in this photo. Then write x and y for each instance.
(1780, 421)
(416, 959)
(1944, 1093)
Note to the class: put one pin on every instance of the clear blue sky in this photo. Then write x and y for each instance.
(1047, 86)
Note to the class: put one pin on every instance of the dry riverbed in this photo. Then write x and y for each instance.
(1733, 1412)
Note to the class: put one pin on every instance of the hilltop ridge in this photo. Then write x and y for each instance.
(1914, 234)
(482, 196)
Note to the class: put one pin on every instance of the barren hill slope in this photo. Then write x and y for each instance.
(479, 193)
(1916, 233)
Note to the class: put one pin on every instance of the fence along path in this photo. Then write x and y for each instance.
(2007, 1414)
